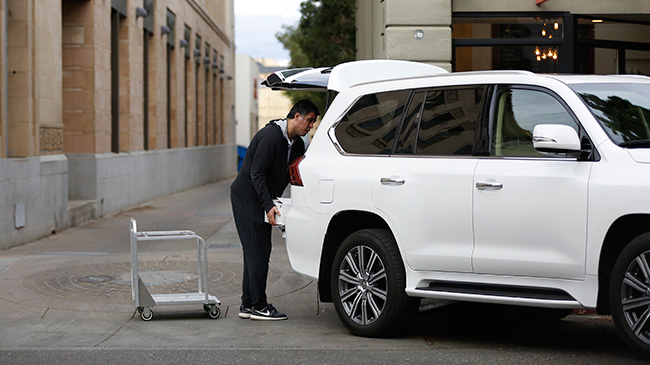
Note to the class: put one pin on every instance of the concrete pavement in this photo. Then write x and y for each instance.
(67, 299)
(72, 289)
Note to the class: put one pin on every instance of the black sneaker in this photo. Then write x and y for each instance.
(244, 312)
(268, 313)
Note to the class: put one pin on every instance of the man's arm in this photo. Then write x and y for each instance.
(261, 164)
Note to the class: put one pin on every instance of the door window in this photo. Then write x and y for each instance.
(408, 132)
(449, 120)
(517, 112)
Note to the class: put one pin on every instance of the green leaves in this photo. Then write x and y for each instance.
(325, 36)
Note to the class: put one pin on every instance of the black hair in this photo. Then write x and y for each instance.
(303, 107)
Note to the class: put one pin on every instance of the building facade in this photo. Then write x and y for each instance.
(547, 36)
(106, 104)
(272, 104)
(246, 96)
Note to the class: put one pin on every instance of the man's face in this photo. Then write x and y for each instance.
(302, 124)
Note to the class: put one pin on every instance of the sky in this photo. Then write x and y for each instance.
(257, 22)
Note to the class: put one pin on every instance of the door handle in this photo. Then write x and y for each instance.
(392, 181)
(489, 185)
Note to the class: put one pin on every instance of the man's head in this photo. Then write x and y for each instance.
(301, 118)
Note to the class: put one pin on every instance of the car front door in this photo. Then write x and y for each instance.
(530, 209)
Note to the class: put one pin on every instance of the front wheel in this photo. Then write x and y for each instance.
(629, 293)
(368, 281)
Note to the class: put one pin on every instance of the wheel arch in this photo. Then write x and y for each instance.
(619, 235)
(341, 226)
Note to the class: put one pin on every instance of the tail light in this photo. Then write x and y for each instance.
(294, 172)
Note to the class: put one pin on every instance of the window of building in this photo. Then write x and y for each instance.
(546, 42)
(215, 71)
(197, 61)
(221, 98)
(607, 46)
(147, 23)
(118, 12)
(206, 114)
(171, 26)
(186, 38)
(524, 42)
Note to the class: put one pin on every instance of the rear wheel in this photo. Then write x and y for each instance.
(368, 281)
(630, 294)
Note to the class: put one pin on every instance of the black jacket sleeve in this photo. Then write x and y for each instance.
(262, 164)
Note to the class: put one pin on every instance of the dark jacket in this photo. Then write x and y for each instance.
(264, 173)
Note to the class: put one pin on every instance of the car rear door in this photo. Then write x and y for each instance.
(425, 188)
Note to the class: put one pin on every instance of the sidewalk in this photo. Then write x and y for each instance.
(72, 289)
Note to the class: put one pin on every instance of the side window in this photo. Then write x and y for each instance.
(449, 121)
(408, 132)
(517, 112)
(370, 127)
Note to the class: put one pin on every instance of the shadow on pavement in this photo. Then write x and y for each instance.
(495, 326)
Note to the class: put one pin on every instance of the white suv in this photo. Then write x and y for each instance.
(499, 187)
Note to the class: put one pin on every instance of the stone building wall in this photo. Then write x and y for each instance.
(64, 157)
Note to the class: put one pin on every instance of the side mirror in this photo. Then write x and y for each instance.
(556, 138)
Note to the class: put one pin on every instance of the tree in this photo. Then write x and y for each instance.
(324, 36)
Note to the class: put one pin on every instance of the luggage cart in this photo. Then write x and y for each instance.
(139, 292)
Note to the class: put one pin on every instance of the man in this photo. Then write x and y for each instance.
(263, 176)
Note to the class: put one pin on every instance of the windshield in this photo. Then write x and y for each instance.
(622, 109)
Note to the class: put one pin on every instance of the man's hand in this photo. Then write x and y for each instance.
(271, 215)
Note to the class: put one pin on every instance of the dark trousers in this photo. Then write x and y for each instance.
(255, 237)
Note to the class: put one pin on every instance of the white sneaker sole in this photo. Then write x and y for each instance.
(264, 318)
(244, 315)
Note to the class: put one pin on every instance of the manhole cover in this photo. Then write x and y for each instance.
(160, 277)
(96, 279)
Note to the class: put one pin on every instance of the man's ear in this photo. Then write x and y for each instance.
(296, 115)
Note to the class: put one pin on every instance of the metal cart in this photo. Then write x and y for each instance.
(144, 300)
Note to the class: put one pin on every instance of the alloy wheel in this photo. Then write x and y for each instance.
(635, 296)
(363, 285)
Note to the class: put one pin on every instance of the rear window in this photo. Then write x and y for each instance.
(371, 125)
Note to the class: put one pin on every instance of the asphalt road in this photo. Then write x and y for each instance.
(66, 299)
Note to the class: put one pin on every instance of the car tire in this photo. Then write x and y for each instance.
(629, 293)
(368, 281)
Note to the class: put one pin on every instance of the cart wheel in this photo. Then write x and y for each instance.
(140, 310)
(214, 312)
(146, 315)
(206, 308)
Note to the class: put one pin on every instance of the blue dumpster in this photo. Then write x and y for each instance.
(241, 152)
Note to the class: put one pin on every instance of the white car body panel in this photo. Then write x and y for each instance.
(434, 229)
(517, 228)
(535, 253)
(349, 74)
(584, 291)
(618, 187)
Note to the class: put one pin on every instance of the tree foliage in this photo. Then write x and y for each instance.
(324, 36)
